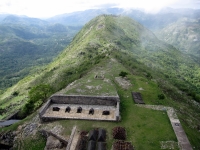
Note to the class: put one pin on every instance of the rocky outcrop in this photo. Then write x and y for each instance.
(7, 138)
(53, 143)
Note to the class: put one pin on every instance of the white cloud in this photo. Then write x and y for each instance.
(47, 8)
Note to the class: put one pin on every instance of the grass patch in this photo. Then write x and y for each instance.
(145, 127)
(36, 143)
(89, 85)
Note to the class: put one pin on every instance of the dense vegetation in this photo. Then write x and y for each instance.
(184, 35)
(25, 47)
(170, 77)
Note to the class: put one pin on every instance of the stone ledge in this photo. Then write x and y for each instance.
(82, 101)
(47, 133)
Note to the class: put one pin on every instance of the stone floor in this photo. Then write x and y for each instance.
(84, 114)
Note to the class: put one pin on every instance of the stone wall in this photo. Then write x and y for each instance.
(49, 133)
(44, 108)
(117, 112)
(71, 138)
(81, 100)
(85, 100)
(47, 119)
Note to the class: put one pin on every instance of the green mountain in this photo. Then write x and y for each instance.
(23, 20)
(24, 46)
(184, 35)
(109, 45)
(152, 21)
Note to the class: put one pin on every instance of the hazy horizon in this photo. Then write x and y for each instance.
(46, 9)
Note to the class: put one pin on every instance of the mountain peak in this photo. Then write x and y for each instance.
(116, 30)
(107, 46)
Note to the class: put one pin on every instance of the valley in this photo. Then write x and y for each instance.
(25, 46)
(107, 47)
(184, 35)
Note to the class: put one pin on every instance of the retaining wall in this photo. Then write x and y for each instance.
(80, 100)
(117, 113)
(71, 138)
(85, 100)
(44, 108)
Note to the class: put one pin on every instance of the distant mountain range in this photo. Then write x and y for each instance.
(162, 23)
(151, 21)
(184, 34)
(127, 43)
(36, 41)
(26, 43)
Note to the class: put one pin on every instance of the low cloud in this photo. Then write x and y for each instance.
(48, 8)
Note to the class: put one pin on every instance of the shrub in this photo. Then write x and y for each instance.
(15, 93)
(40, 92)
(2, 111)
(37, 93)
(123, 74)
(29, 106)
(149, 76)
(26, 110)
(197, 97)
(161, 96)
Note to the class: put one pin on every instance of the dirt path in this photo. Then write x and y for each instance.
(176, 125)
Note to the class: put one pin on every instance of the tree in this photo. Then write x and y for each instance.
(29, 106)
(37, 93)
(15, 93)
(149, 76)
(40, 92)
(2, 111)
(123, 74)
(161, 96)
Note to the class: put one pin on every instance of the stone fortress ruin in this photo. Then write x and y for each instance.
(92, 97)
(81, 107)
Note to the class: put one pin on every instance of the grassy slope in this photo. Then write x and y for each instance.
(88, 85)
(183, 34)
(187, 111)
(25, 47)
(68, 66)
(145, 127)
(112, 36)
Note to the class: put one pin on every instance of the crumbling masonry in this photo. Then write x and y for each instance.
(81, 107)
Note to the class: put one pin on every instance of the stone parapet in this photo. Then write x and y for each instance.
(44, 108)
(98, 103)
(85, 100)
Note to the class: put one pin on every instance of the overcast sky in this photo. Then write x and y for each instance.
(48, 8)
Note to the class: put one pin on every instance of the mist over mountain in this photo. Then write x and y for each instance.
(66, 52)
(153, 21)
(26, 43)
(149, 20)
(184, 34)
(160, 67)
(23, 20)
(36, 41)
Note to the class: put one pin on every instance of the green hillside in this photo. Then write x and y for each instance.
(152, 65)
(184, 35)
(25, 47)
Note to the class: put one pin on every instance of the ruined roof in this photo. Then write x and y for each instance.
(102, 135)
(93, 135)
